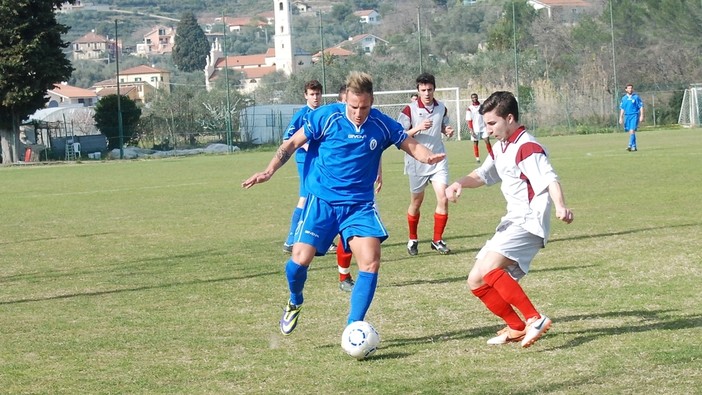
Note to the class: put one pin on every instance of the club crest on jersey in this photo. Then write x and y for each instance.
(373, 144)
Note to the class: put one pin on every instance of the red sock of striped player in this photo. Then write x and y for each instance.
(494, 302)
(476, 150)
(489, 148)
(439, 226)
(343, 260)
(413, 222)
(511, 292)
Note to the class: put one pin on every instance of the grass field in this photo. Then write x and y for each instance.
(164, 276)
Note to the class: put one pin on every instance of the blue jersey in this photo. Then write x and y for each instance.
(297, 121)
(343, 159)
(631, 104)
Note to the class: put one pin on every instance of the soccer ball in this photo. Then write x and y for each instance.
(360, 340)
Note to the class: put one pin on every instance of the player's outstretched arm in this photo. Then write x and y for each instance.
(420, 152)
(453, 191)
(562, 212)
(282, 155)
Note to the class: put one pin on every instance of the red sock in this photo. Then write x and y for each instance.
(439, 226)
(489, 148)
(494, 302)
(511, 292)
(476, 149)
(343, 260)
(413, 222)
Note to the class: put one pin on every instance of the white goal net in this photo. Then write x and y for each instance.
(392, 102)
(690, 108)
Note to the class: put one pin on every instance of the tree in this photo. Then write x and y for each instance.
(31, 62)
(191, 46)
(106, 119)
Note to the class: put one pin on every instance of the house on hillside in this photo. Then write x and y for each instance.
(234, 25)
(365, 42)
(252, 67)
(138, 83)
(93, 46)
(301, 7)
(67, 95)
(158, 41)
(371, 17)
(562, 11)
(333, 51)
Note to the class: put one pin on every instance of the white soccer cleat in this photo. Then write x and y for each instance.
(506, 335)
(536, 327)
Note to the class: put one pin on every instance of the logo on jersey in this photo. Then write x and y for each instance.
(356, 136)
(373, 144)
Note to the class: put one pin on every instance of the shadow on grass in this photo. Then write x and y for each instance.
(653, 320)
(619, 233)
(65, 237)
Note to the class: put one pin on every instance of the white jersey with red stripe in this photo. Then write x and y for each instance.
(523, 167)
(414, 114)
(473, 114)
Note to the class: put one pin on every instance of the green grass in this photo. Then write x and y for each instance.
(164, 276)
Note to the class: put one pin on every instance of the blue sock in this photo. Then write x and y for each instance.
(362, 295)
(293, 225)
(297, 275)
(632, 140)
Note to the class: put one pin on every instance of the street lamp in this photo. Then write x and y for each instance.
(119, 97)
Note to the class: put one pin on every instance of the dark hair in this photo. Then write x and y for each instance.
(426, 78)
(313, 85)
(342, 92)
(414, 95)
(503, 103)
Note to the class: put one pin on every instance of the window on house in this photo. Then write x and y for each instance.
(280, 5)
(137, 79)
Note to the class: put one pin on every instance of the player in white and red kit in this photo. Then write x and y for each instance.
(426, 120)
(476, 127)
(531, 187)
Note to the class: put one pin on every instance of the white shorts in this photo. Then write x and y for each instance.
(479, 135)
(515, 243)
(417, 184)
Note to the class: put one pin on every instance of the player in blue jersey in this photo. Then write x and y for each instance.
(631, 114)
(313, 97)
(346, 141)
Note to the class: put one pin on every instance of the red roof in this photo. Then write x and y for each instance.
(92, 37)
(71, 91)
(143, 69)
(241, 61)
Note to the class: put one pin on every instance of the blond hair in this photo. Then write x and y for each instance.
(359, 83)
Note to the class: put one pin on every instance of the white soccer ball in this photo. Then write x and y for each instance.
(360, 340)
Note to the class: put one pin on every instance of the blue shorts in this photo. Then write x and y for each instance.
(321, 221)
(631, 122)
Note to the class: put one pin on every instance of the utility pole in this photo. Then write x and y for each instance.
(614, 61)
(321, 39)
(419, 37)
(119, 98)
(516, 61)
(228, 119)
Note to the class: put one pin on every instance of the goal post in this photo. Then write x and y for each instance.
(392, 102)
(690, 107)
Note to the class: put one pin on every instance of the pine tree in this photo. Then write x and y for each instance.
(31, 62)
(191, 45)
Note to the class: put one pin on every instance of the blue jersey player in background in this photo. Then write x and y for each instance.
(631, 113)
(313, 97)
(346, 141)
